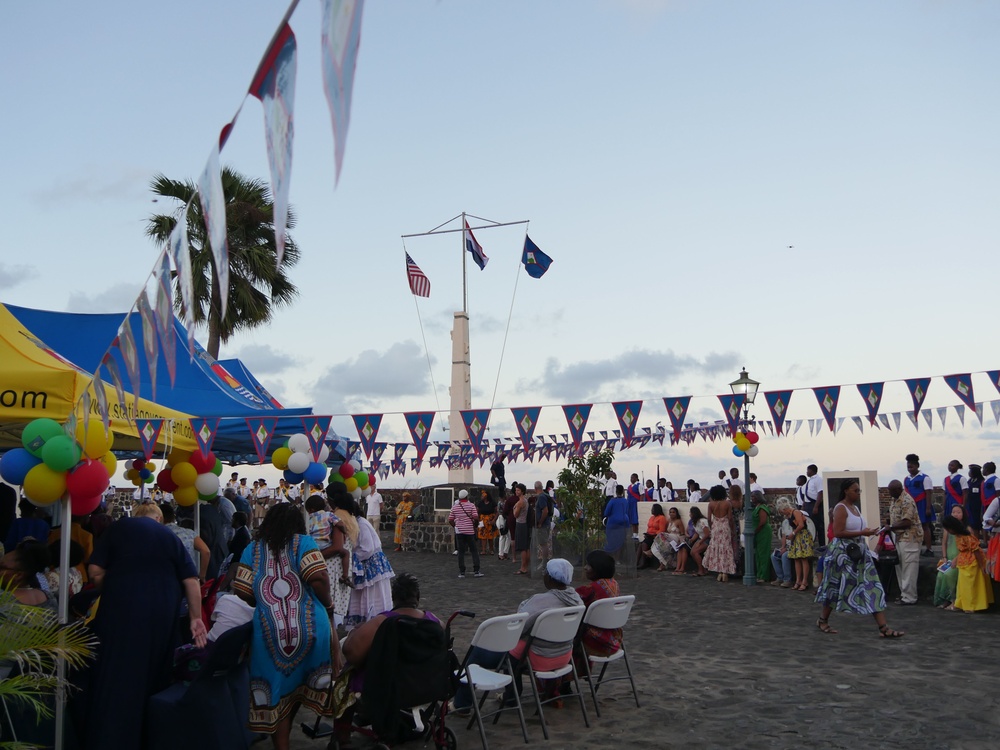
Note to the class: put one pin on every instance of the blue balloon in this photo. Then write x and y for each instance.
(291, 477)
(15, 465)
(145, 474)
(315, 473)
(737, 452)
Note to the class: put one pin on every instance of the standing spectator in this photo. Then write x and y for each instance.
(799, 542)
(719, 556)
(974, 499)
(507, 511)
(487, 508)
(904, 522)
(849, 584)
(990, 493)
(226, 507)
(464, 518)
(762, 536)
(522, 534)
(991, 524)
(734, 479)
(403, 509)
(955, 486)
(31, 525)
(754, 487)
(543, 522)
(814, 506)
(693, 491)
(373, 508)
(918, 485)
(974, 591)
(800, 491)
(241, 535)
(196, 548)
(239, 500)
(498, 473)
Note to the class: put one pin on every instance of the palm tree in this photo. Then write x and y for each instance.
(32, 642)
(256, 284)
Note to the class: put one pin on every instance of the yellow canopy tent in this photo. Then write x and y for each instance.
(36, 382)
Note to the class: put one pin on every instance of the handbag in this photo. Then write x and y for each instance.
(886, 550)
(854, 551)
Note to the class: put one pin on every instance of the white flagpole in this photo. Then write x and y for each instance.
(465, 291)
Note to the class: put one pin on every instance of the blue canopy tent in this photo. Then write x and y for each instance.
(202, 386)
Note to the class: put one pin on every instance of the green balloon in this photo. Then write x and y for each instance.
(206, 498)
(38, 432)
(362, 477)
(217, 469)
(60, 453)
(335, 477)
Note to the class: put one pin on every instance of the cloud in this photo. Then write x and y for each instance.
(263, 359)
(581, 380)
(401, 370)
(11, 276)
(118, 298)
(91, 188)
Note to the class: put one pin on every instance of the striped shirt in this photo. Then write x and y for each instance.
(465, 516)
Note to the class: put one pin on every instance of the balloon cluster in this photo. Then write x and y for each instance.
(140, 472)
(746, 443)
(357, 482)
(190, 477)
(295, 459)
(52, 464)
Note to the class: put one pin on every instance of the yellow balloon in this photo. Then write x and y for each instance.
(351, 484)
(743, 444)
(110, 463)
(95, 442)
(132, 475)
(280, 458)
(186, 496)
(184, 475)
(44, 486)
(177, 456)
(150, 466)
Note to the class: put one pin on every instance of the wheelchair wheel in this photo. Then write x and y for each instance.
(448, 740)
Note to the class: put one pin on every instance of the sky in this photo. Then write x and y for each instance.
(804, 189)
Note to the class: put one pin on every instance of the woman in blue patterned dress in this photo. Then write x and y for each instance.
(848, 585)
(371, 591)
(292, 655)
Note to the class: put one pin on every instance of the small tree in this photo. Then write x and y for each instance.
(581, 495)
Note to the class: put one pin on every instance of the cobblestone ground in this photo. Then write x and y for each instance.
(724, 665)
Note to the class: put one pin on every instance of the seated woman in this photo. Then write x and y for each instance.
(20, 570)
(600, 572)
(544, 655)
(669, 542)
(358, 644)
(656, 524)
(697, 543)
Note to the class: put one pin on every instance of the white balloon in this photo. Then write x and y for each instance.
(356, 464)
(357, 494)
(299, 443)
(366, 491)
(754, 450)
(207, 483)
(299, 462)
(324, 453)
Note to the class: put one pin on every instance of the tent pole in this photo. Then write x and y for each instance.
(64, 550)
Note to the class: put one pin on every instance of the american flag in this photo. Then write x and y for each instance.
(419, 284)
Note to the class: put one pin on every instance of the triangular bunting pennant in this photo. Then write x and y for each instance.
(126, 344)
(884, 419)
(367, 426)
(979, 412)
(576, 417)
(777, 403)
(828, 397)
(102, 401)
(150, 344)
(628, 414)
(181, 255)
(995, 406)
(116, 378)
(872, 395)
(419, 423)
(994, 376)
(163, 306)
(475, 421)
(677, 409)
(261, 432)
(918, 391)
(913, 418)
(316, 429)
(149, 433)
(928, 416)
(340, 42)
(377, 450)
(960, 411)
(798, 426)
(732, 404)
(859, 423)
(962, 385)
(896, 420)
(942, 413)
(213, 210)
(204, 433)
(840, 423)
(526, 419)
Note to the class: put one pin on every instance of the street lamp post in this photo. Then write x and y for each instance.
(747, 387)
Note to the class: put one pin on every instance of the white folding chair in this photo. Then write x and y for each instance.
(500, 635)
(555, 626)
(608, 614)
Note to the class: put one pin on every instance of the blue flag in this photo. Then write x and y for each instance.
(536, 263)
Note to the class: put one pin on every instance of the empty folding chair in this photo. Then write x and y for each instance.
(555, 626)
(500, 635)
(607, 614)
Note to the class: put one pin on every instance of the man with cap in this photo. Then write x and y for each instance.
(464, 518)
(545, 655)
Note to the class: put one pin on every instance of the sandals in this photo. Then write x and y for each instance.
(887, 632)
(824, 626)
(521, 572)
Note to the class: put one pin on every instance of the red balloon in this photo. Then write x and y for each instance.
(88, 479)
(139, 463)
(84, 506)
(204, 464)
(346, 470)
(753, 437)
(166, 481)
